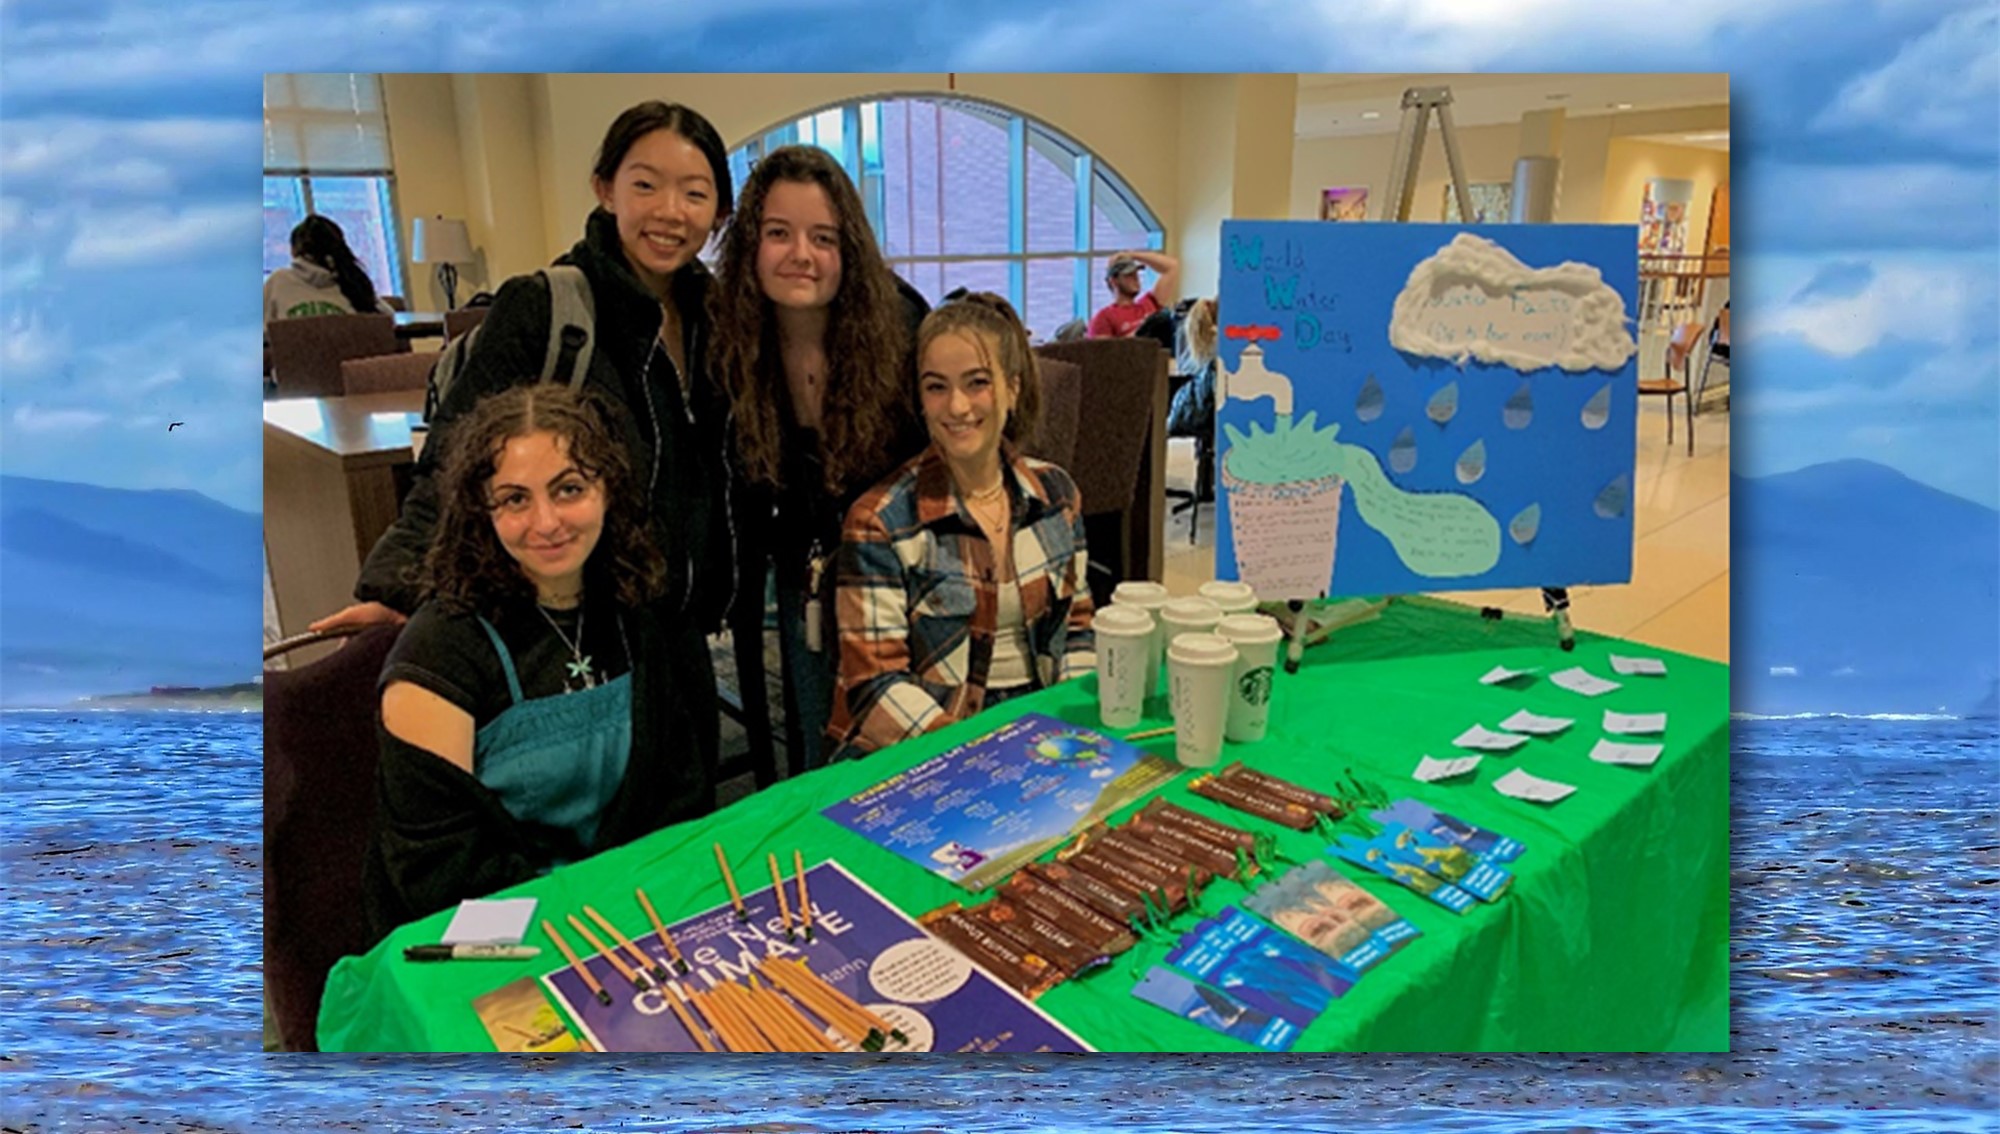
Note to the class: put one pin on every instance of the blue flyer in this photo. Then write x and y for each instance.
(1489, 845)
(977, 813)
(1215, 1009)
(1449, 861)
(861, 945)
(1381, 857)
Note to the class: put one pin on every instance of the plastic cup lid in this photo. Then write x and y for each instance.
(1138, 592)
(1202, 649)
(1196, 610)
(1116, 619)
(1229, 591)
(1250, 629)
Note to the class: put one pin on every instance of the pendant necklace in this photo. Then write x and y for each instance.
(579, 663)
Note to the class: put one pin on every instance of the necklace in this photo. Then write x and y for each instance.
(579, 663)
(998, 487)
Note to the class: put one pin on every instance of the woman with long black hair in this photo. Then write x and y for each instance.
(324, 277)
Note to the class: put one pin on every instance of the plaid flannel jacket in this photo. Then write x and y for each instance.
(916, 599)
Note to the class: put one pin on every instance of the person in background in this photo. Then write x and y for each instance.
(1129, 307)
(663, 189)
(814, 337)
(962, 576)
(525, 722)
(1193, 408)
(324, 278)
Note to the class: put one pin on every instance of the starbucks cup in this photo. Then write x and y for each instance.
(1125, 665)
(1256, 639)
(1199, 667)
(1149, 597)
(1188, 616)
(1232, 597)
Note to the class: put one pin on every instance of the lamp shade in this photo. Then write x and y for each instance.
(437, 240)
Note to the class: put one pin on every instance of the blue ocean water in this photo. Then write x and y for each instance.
(1866, 859)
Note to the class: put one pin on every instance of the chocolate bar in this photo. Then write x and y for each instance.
(1027, 973)
(1041, 937)
(1284, 790)
(1216, 860)
(1075, 916)
(1137, 879)
(1111, 901)
(1137, 848)
(1200, 826)
(1294, 815)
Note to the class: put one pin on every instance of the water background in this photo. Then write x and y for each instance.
(1865, 992)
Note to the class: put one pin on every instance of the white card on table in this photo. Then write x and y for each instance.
(1479, 736)
(1577, 679)
(1430, 770)
(1636, 755)
(487, 921)
(1635, 724)
(1500, 674)
(1521, 785)
(1525, 721)
(1638, 667)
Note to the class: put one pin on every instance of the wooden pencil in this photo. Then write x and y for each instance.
(794, 1020)
(1150, 733)
(842, 998)
(725, 1034)
(676, 1000)
(849, 1023)
(589, 981)
(805, 901)
(649, 964)
(778, 888)
(748, 1038)
(605, 952)
(753, 1014)
(660, 927)
(729, 880)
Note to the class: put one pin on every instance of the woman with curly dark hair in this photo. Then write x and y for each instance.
(814, 335)
(524, 714)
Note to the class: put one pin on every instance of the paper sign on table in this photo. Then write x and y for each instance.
(1636, 755)
(1479, 736)
(1525, 721)
(1577, 679)
(1638, 667)
(1500, 674)
(488, 921)
(1430, 771)
(1635, 724)
(1535, 789)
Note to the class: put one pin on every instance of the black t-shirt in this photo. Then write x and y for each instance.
(450, 654)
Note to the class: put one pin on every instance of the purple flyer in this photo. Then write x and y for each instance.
(861, 945)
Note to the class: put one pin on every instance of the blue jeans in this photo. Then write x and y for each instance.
(809, 678)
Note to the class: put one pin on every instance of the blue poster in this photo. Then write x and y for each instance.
(1425, 407)
(860, 944)
(976, 813)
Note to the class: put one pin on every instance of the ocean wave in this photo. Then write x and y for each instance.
(1844, 717)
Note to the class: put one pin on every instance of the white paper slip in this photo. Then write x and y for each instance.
(1521, 785)
(485, 921)
(1479, 736)
(1430, 770)
(1636, 755)
(1577, 679)
(1525, 721)
(1635, 724)
(1500, 674)
(1638, 667)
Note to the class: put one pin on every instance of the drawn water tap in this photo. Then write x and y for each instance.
(1251, 381)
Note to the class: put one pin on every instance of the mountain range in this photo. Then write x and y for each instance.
(1856, 590)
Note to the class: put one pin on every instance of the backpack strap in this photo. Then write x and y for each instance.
(572, 320)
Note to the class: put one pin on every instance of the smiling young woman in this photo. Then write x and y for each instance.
(962, 576)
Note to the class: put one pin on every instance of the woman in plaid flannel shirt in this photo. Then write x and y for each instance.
(961, 578)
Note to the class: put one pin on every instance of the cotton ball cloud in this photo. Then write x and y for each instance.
(1475, 300)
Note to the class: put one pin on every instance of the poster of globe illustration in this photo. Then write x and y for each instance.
(1421, 407)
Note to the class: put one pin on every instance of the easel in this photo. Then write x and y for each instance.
(1418, 104)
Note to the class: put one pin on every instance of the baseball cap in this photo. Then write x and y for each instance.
(1122, 265)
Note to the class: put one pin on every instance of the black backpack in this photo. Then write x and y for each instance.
(572, 336)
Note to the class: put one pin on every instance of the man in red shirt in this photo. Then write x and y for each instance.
(1128, 308)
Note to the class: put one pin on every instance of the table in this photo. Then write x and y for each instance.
(419, 325)
(334, 471)
(1614, 937)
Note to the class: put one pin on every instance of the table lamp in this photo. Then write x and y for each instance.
(446, 243)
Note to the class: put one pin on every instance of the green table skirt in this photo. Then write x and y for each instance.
(1614, 937)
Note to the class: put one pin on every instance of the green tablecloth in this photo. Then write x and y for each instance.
(1614, 937)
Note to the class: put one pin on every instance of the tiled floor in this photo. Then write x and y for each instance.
(1679, 594)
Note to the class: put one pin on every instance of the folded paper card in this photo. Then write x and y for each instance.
(1635, 724)
(1479, 736)
(1638, 667)
(1534, 789)
(1500, 675)
(1525, 721)
(1636, 755)
(1430, 770)
(1577, 679)
(490, 921)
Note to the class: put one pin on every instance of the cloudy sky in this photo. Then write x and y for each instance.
(1865, 142)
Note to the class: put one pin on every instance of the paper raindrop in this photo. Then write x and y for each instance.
(1368, 406)
(1597, 410)
(1403, 452)
(1444, 404)
(1472, 463)
(1611, 502)
(1525, 524)
(1519, 410)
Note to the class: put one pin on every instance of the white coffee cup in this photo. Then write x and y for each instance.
(1125, 636)
(1188, 616)
(1256, 639)
(1199, 667)
(1233, 597)
(1149, 597)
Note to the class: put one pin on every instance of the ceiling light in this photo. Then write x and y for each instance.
(1370, 115)
(1621, 106)
(1710, 136)
(1555, 97)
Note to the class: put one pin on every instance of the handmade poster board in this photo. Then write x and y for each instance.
(1421, 407)
(861, 945)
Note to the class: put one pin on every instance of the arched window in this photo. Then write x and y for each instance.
(963, 193)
